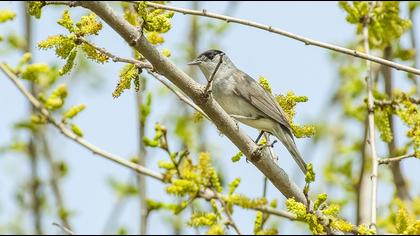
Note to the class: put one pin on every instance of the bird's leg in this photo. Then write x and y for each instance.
(259, 136)
(268, 145)
(272, 144)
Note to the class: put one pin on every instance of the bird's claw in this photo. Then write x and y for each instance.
(271, 145)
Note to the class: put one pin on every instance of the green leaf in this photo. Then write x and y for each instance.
(69, 64)
(34, 8)
(66, 21)
(76, 130)
(88, 25)
(74, 111)
(94, 54)
(6, 15)
(127, 74)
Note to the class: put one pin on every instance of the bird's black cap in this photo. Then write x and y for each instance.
(210, 54)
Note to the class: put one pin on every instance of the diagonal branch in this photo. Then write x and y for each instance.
(197, 93)
(228, 214)
(64, 229)
(69, 134)
(149, 68)
(181, 96)
(115, 58)
(205, 194)
(371, 126)
(274, 30)
(395, 159)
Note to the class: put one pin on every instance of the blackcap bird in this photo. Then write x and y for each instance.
(246, 100)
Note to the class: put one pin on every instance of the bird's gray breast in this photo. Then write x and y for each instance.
(223, 93)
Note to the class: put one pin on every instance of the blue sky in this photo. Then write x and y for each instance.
(110, 123)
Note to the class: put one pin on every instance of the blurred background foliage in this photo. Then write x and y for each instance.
(180, 142)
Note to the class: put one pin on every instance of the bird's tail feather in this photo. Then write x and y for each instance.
(287, 139)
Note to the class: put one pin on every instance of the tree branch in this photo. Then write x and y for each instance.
(197, 93)
(228, 214)
(394, 102)
(206, 194)
(55, 183)
(115, 58)
(274, 30)
(69, 134)
(149, 68)
(395, 159)
(181, 96)
(371, 125)
(64, 229)
(35, 135)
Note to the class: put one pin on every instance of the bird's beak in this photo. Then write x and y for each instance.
(195, 62)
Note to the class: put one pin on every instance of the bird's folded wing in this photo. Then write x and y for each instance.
(256, 95)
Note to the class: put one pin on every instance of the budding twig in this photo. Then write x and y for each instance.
(274, 30)
(395, 159)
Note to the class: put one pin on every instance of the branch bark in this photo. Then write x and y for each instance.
(274, 30)
(141, 155)
(197, 93)
(69, 134)
(55, 183)
(206, 193)
(363, 184)
(371, 126)
(394, 159)
(34, 181)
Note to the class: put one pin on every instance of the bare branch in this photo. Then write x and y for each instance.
(274, 30)
(197, 94)
(371, 124)
(394, 102)
(64, 229)
(55, 182)
(395, 159)
(206, 194)
(148, 66)
(209, 194)
(115, 58)
(181, 96)
(228, 214)
(69, 134)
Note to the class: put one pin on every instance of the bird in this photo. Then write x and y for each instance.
(245, 100)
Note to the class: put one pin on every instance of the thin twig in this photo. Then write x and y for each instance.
(34, 139)
(209, 194)
(66, 230)
(371, 125)
(226, 210)
(274, 30)
(141, 157)
(196, 92)
(137, 168)
(149, 68)
(361, 188)
(115, 58)
(181, 96)
(395, 159)
(69, 134)
(55, 182)
(395, 102)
